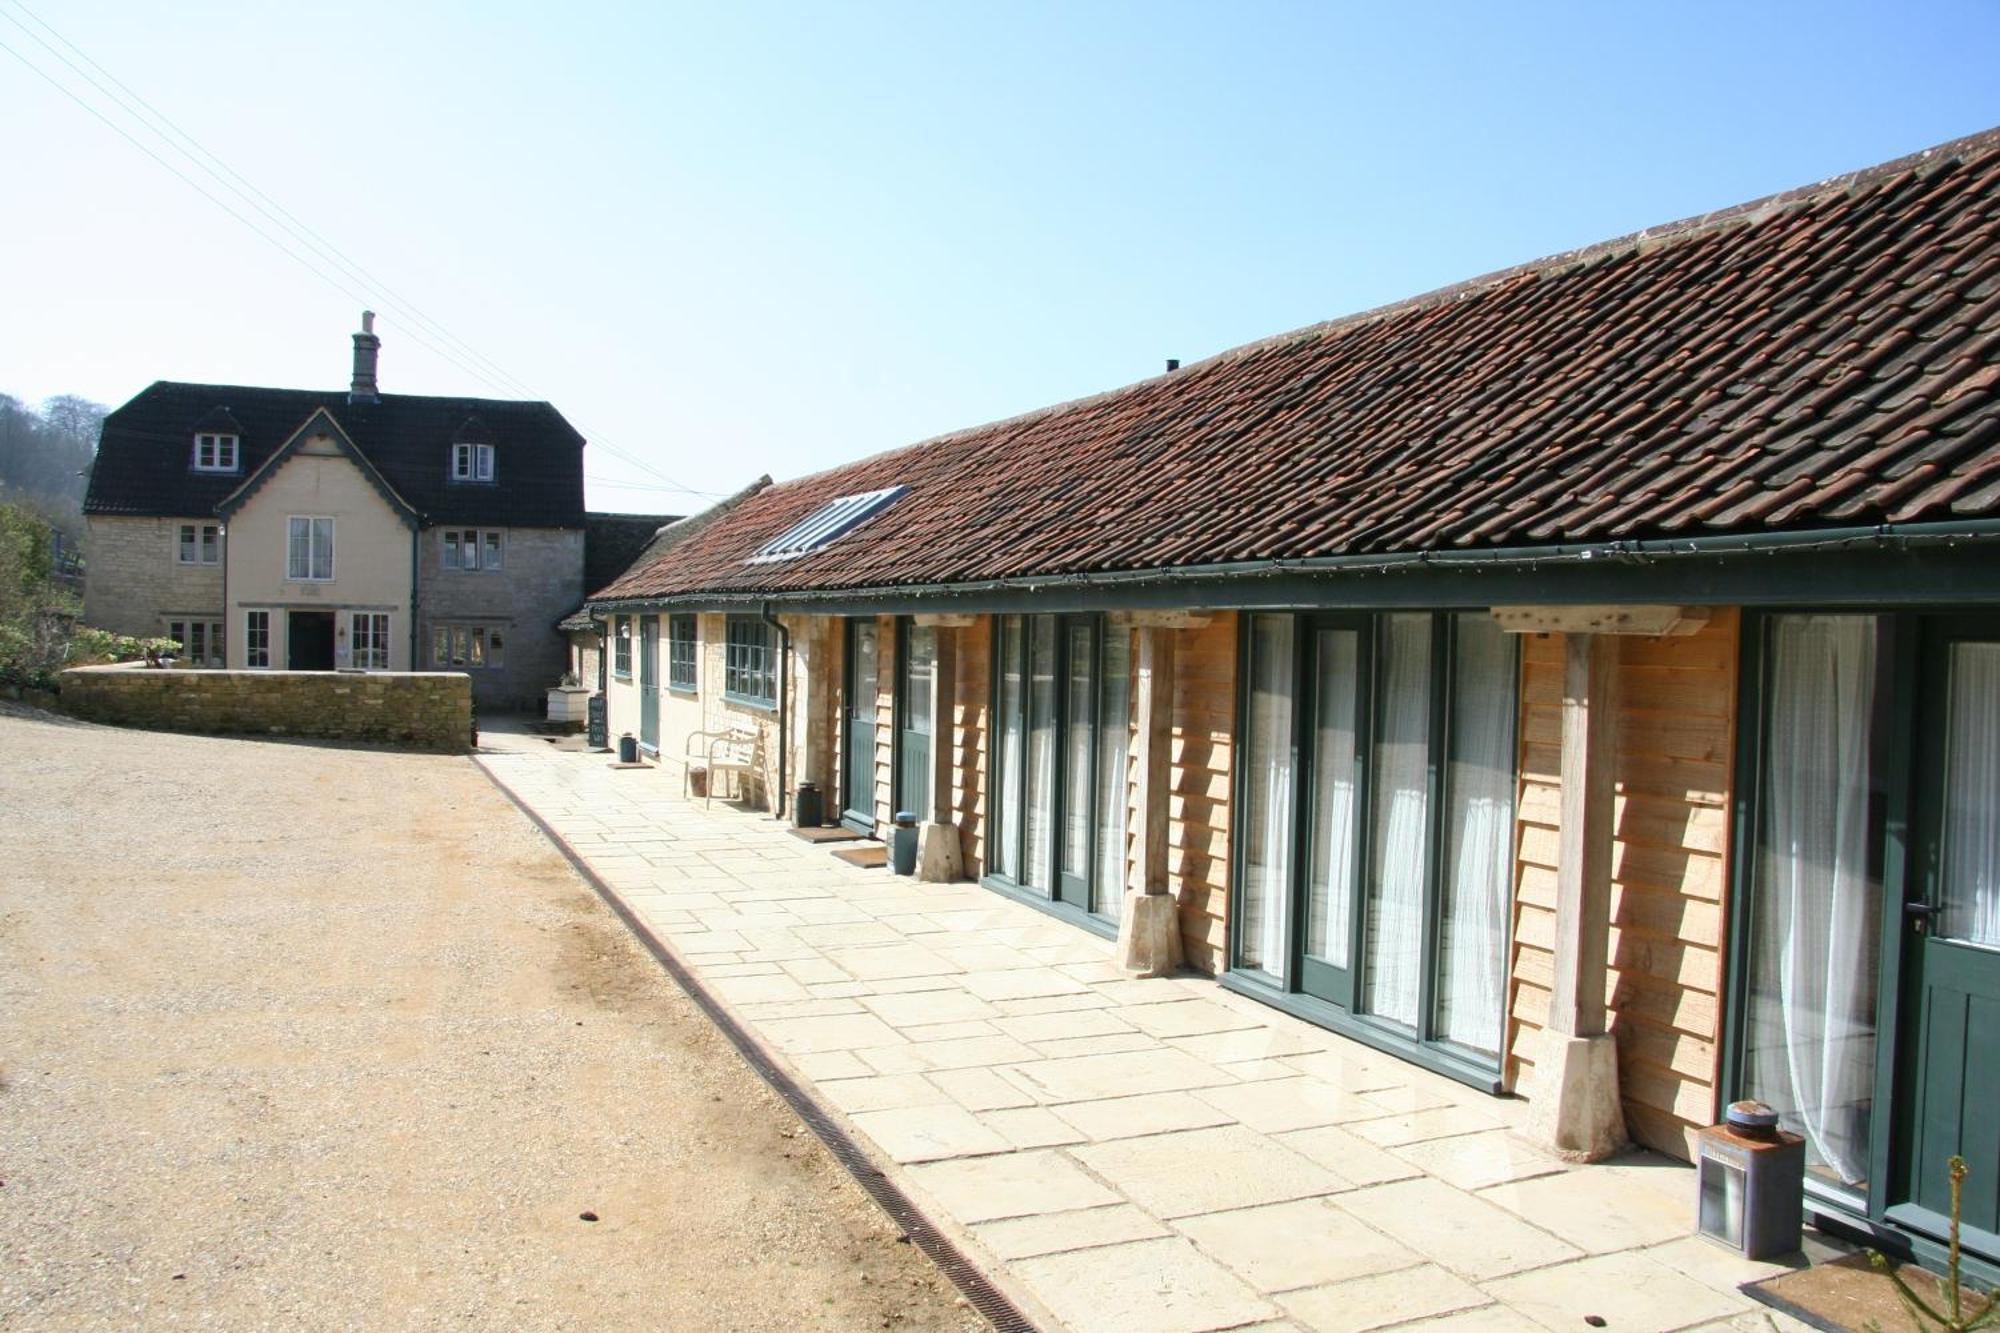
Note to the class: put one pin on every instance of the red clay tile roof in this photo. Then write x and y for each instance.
(1827, 357)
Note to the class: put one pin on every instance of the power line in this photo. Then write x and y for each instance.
(345, 269)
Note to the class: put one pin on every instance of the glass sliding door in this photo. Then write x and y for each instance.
(1479, 839)
(857, 796)
(1400, 866)
(1062, 706)
(1816, 892)
(915, 774)
(1375, 862)
(1264, 887)
(1114, 735)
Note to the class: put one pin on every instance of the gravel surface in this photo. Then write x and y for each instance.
(311, 1037)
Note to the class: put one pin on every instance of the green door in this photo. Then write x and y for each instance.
(649, 683)
(1951, 1079)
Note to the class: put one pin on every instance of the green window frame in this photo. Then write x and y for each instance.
(681, 654)
(750, 663)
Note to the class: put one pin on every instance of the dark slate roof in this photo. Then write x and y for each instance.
(611, 542)
(1828, 357)
(142, 458)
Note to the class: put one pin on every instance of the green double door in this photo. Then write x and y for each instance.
(1950, 1085)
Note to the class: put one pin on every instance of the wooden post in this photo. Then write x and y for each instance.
(1583, 869)
(1575, 1108)
(1149, 934)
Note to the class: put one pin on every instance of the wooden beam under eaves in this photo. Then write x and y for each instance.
(946, 619)
(1656, 621)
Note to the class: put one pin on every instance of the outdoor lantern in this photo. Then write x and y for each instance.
(1751, 1178)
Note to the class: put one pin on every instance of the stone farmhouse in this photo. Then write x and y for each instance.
(309, 530)
(1583, 681)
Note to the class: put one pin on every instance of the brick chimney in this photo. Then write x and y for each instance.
(366, 346)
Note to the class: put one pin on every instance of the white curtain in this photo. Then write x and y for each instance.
(1331, 911)
(1812, 1021)
(1041, 752)
(1011, 727)
(1113, 791)
(1402, 757)
(1972, 797)
(1479, 855)
(1267, 860)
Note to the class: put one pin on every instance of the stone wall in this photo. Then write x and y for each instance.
(424, 711)
(539, 582)
(136, 582)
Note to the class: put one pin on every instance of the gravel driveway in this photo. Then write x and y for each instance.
(331, 1038)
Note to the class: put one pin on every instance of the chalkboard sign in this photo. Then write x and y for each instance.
(598, 730)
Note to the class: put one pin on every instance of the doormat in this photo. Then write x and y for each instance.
(1845, 1295)
(871, 857)
(829, 833)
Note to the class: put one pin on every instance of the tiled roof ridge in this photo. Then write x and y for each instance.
(338, 396)
(1965, 149)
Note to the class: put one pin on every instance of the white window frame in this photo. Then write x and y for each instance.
(256, 632)
(368, 640)
(472, 462)
(224, 451)
(210, 638)
(470, 550)
(621, 647)
(454, 647)
(193, 544)
(312, 522)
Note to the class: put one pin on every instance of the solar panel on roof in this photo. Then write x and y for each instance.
(818, 529)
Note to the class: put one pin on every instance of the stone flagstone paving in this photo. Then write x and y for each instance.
(1154, 1155)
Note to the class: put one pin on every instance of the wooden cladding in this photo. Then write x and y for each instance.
(1675, 738)
(1200, 764)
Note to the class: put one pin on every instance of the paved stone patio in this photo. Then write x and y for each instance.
(1148, 1155)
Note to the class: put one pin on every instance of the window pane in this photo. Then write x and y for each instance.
(494, 648)
(1114, 738)
(1078, 744)
(1402, 819)
(1479, 847)
(441, 646)
(1267, 788)
(451, 559)
(490, 559)
(210, 539)
(187, 543)
(1041, 751)
(197, 643)
(1336, 807)
(1809, 1033)
(322, 548)
(1008, 773)
(1972, 797)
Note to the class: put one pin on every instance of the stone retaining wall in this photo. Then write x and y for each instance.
(429, 710)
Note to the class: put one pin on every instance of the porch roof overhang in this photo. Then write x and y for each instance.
(1951, 562)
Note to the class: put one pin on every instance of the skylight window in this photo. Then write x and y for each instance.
(823, 525)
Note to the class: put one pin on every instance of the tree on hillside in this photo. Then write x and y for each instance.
(45, 455)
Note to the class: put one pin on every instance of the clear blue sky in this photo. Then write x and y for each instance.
(736, 238)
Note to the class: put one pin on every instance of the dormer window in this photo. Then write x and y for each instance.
(472, 462)
(214, 453)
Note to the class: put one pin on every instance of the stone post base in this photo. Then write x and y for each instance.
(939, 860)
(1149, 935)
(1573, 1109)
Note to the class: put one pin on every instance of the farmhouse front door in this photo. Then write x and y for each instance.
(649, 683)
(1952, 919)
(309, 640)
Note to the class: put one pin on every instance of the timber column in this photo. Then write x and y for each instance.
(1575, 1108)
(1149, 929)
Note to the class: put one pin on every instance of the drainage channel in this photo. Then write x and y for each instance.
(972, 1284)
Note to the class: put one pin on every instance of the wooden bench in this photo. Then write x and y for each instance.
(731, 751)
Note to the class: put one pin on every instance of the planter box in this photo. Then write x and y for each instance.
(570, 704)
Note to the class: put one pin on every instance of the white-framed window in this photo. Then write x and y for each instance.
(200, 641)
(309, 549)
(369, 637)
(200, 544)
(473, 548)
(214, 453)
(472, 462)
(681, 653)
(468, 647)
(621, 654)
(257, 639)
